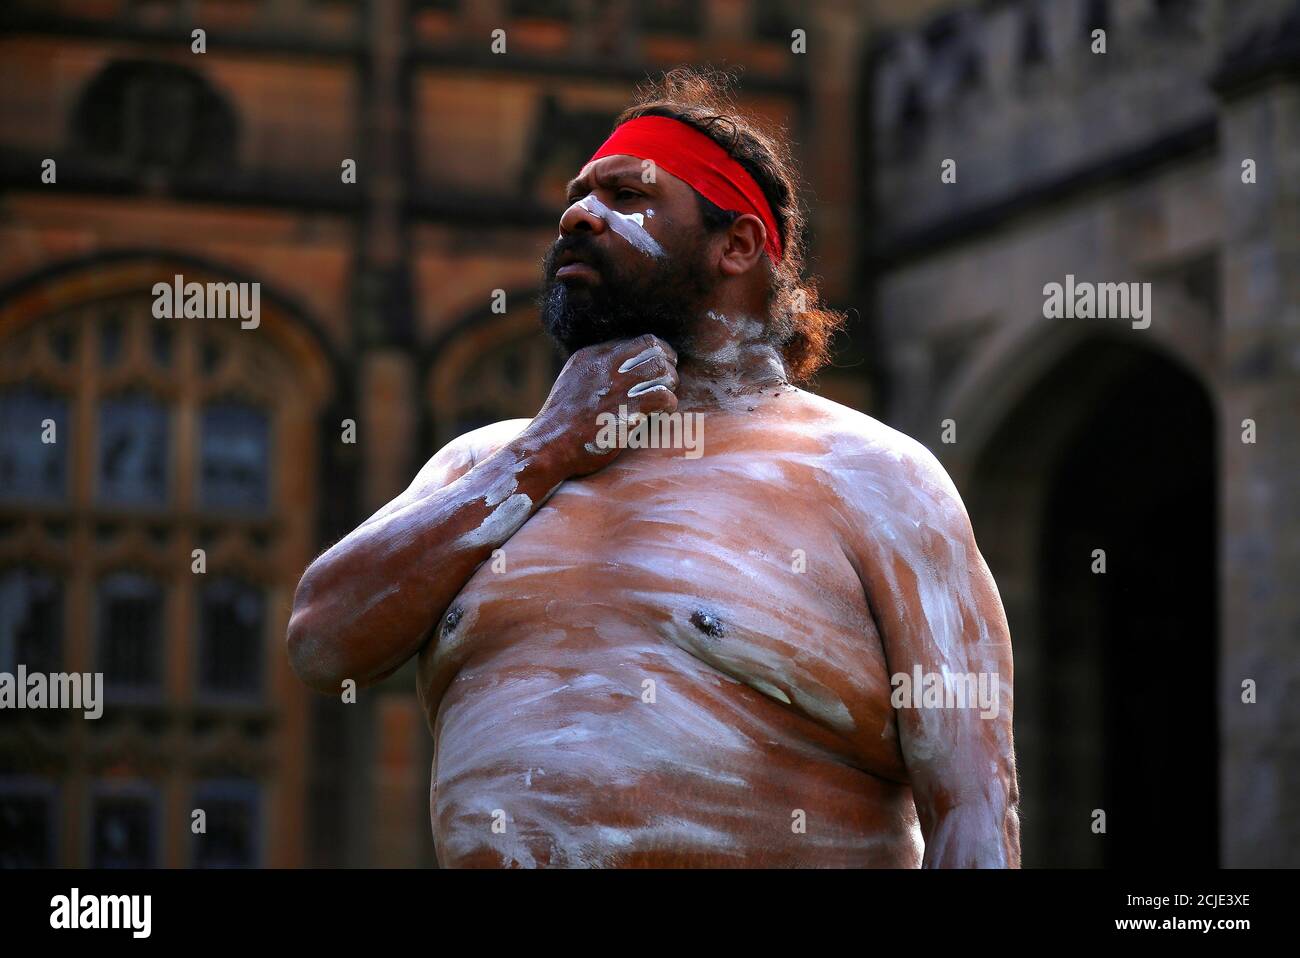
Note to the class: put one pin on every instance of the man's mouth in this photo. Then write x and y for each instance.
(577, 271)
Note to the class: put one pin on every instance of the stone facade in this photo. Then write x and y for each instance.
(1122, 166)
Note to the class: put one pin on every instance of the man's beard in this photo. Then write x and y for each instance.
(665, 297)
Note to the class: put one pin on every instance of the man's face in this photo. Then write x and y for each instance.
(630, 257)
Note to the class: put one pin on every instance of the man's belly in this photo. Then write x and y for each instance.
(640, 755)
(635, 686)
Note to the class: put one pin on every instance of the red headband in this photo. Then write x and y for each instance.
(693, 158)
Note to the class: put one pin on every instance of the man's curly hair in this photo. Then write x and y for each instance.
(701, 98)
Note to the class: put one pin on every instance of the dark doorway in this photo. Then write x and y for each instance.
(1137, 480)
(1113, 449)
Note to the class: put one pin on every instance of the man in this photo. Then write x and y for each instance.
(763, 651)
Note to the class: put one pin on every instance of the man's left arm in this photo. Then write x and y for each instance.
(948, 651)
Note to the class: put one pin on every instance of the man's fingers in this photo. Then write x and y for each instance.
(640, 389)
(658, 372)
(644, 356)
(651, 348)
(657, 399)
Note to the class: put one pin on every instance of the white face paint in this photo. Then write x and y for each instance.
(631, 228)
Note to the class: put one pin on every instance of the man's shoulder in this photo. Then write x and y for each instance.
(460, 455)
(485, 440)
(873, 466)
(857, 441)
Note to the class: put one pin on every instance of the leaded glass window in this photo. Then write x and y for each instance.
(124, 831)
(231, 616)
(234, 455)
(130, 613)
(233, 835)
(27, 835)
(132, 451)
(33, 456)
(31, 620)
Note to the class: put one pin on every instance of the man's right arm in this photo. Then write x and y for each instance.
(365, 605)
(368, 603)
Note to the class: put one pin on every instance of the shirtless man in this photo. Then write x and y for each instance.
(648, 657)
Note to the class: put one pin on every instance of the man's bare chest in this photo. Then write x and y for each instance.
(733, 563)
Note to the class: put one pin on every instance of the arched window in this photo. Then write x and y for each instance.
(156, 509)
(149, 117)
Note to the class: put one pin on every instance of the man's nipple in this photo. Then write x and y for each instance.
(708, 623)
(451, 620)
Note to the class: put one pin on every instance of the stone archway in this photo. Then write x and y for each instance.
(1111, 448)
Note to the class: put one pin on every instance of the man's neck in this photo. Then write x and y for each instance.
(726, 359)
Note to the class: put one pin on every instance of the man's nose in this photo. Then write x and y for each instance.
(577, 217)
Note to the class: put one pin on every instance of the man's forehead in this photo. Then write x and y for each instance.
(616, 166)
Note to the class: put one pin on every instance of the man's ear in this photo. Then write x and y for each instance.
(745, 239)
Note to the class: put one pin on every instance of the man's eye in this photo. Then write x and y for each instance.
(626, 192)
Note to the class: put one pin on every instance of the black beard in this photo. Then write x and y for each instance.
(662, 297)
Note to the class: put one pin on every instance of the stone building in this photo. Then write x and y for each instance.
(1170, 443)
(378, 341)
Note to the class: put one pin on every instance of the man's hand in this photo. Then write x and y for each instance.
(369, 603)
(639, 374)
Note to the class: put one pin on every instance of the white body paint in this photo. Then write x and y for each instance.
(504, 487)
(504, 518)
(545, 665)
(631, 228)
